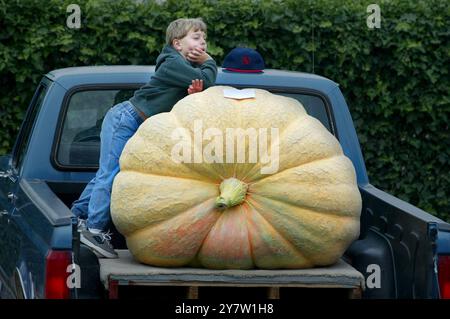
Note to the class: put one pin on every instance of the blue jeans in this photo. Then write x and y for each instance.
(119, 125)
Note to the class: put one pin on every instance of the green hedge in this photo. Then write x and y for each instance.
(395, 78)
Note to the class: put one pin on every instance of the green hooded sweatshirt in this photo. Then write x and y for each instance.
(169, 84)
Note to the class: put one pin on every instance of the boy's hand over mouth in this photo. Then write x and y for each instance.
(197, 55)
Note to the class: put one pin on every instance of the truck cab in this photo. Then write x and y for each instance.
(56, 154)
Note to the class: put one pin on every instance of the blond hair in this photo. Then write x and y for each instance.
(179, 28)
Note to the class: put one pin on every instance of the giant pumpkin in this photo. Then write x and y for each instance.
(235, 184)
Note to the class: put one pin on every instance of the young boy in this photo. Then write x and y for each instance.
(182, 68)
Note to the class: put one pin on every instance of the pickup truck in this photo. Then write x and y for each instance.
(402, 251)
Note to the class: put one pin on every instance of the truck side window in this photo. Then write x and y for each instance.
(79, 144)
(27, 125)
(314, 106)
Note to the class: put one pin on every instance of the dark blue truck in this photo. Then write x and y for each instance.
(402, 251)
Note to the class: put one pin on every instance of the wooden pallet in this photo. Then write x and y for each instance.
(125, 271)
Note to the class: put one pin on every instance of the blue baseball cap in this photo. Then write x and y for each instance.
(244, 60)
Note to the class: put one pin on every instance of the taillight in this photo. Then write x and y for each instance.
(56, 274)
(444, 276)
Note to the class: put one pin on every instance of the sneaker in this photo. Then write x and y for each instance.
(99, 243)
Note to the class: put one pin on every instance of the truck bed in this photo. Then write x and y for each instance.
(125, 271)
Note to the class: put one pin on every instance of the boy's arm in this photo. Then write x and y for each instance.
(177, 72)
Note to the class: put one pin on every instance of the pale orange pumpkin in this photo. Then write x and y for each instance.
(232, 215)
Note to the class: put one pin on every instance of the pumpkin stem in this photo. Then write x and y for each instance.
(232, 192)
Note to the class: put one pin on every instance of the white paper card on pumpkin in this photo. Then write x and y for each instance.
(239, 94)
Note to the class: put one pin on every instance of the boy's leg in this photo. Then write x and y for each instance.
(119, 125)
(80, 206)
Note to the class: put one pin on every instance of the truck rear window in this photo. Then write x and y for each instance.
(314, 106)
(79, 142)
